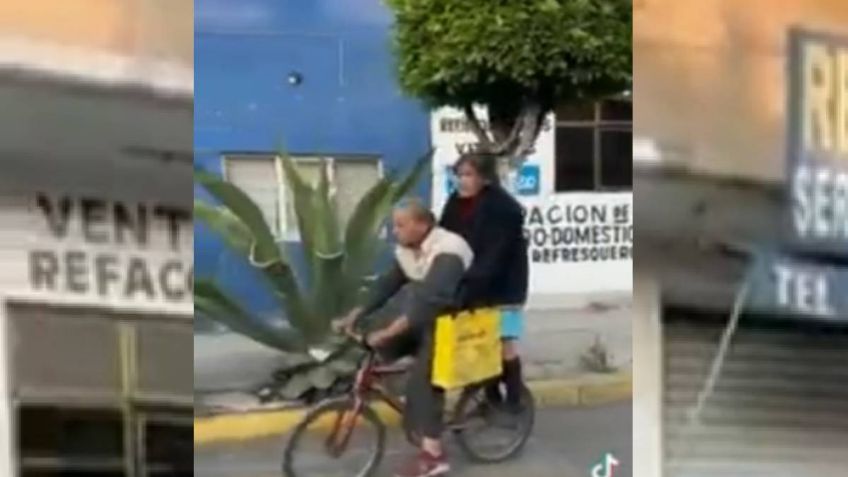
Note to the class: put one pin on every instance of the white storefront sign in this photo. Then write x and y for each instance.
(91, 250)
(580, 243)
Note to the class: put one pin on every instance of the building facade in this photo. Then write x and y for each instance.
(311, 78)
(741, 325)
(96, 238)
(317, 79)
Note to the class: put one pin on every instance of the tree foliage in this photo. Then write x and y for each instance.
(519, 58)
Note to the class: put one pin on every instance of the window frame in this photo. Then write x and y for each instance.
(128, 403)
(144, 417)
(65, 463)
(280, 230)
(598, 125)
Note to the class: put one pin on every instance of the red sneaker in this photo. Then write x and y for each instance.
(424, 465)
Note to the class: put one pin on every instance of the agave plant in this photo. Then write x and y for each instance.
(337, 264)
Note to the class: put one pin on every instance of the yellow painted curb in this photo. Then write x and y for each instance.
(257, 424)
(555, 393)
(607, 392)
(583, 391)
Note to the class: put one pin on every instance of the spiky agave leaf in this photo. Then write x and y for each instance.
(337, 265)
(226, 225)
(212, 302)
(264, 252)
(317, 220)
(265, 249)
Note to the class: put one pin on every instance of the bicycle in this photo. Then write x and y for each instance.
(340, 418)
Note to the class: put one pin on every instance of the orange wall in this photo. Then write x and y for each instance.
(161, 28)
(710, 78)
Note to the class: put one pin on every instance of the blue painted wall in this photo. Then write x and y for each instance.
(348, 101)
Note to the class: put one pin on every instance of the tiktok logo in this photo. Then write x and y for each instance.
(606, 467)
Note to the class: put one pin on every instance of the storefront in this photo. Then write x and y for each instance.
(96, 263)
(741, 331)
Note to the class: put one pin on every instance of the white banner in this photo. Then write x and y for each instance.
(580, 243)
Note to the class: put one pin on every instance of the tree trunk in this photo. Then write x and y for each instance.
(511, 134)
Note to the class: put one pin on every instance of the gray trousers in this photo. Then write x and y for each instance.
(424, 408)
(425, 403)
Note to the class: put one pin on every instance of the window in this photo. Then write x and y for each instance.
(262, 178)
(100, 395)
(594, 146)
(57, 440)
(164, 360)
(257, 177)
(53, 356)
(168, 443)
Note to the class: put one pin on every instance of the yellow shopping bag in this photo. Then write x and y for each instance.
(467, 348)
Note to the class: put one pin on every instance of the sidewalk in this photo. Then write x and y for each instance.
(228, 367)
(556, 338)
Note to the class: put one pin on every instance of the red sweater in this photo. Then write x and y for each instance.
(467, 205)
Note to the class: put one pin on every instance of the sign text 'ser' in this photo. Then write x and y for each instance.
(819, 172)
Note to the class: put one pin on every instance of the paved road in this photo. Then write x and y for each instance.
(566, 443)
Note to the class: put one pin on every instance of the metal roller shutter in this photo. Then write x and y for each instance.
(779, 408)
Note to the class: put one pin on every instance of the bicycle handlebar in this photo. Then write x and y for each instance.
(359, 339)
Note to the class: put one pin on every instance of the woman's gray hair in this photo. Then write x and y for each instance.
(485, 164)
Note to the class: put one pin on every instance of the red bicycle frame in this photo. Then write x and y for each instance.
(366, 385)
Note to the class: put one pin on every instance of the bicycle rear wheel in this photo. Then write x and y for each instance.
(488, 434)
(317, 446)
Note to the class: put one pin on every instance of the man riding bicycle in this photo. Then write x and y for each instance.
(430, 261)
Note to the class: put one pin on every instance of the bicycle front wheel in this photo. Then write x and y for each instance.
(333, 440)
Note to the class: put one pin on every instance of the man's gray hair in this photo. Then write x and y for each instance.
(417, 209)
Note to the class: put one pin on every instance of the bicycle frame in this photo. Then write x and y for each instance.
(366, 385)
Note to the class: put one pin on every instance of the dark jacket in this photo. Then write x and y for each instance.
(499, 275)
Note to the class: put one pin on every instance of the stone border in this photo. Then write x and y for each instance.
(587, 390)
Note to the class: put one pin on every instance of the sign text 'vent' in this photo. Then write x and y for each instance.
(111, 249)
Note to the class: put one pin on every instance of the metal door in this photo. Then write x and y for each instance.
(780, 405)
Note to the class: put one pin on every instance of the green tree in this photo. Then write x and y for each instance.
(518, 58)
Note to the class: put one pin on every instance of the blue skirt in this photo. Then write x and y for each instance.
(512, 323)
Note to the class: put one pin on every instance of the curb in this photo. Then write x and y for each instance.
(590, 390)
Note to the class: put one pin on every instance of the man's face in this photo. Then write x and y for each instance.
(408, 231)
(470, 182)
